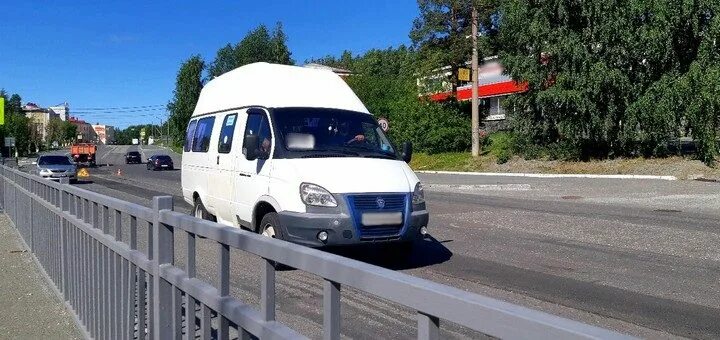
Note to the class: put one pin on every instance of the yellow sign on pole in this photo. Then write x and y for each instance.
(464, 74)
(2, 111)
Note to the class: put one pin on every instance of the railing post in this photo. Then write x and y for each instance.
(163, 249)
(267, 292)
(32, 224)
(224, 289)
(64, 271)
(428, 327)
(331, 310)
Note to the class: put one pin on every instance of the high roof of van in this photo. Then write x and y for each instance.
(274, 86)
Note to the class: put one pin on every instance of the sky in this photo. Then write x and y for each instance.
(103, 55)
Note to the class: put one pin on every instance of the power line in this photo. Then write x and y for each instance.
(118, 108)
(117, 111)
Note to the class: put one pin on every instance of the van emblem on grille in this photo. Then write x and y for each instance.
(380, 202)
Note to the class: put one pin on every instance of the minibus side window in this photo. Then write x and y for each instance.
(189, 135)
(258, 124)
(226, 133)
(201, 142)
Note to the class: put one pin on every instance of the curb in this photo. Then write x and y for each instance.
(512, 174)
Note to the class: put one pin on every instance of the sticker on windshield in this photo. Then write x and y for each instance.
(230, 120)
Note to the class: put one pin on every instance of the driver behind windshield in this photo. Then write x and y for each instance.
(344, 130)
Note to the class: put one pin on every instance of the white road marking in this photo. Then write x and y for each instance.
(478, 187)
(512, 174)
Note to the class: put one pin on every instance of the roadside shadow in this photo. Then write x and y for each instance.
(83, 182)
(426, 252)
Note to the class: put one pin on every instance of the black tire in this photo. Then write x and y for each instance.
(272, 219)
(200, 212)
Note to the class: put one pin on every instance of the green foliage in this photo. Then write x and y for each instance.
(259, 45)
(54, 132)
(280, 51)
(613, 77)
(384, 81)
(126, 135)
(449, 161)
(440, 33)
(69, 132)
(16, 124)
(502, 145)
(187, 91)
(345, 61)
(225, 61)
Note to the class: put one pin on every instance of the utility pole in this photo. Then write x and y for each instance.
(475, 113)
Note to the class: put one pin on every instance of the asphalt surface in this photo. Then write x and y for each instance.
(637, 256)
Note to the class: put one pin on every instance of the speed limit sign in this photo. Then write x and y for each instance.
(384, 124)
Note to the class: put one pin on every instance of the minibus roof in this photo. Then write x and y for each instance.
(274, 85)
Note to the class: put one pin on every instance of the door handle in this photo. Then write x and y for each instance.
(218, 160)
(245, 175)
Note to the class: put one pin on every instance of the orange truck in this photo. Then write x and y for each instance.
(84, 153)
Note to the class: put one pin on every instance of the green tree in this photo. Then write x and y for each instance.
(225, 60)
(281, 52)
(440, 33)
(256, 46)
(385, 81)
(16, 124)
(596, 69)
(188, 85)
(14, 104)
(70, 132)
(54, 132)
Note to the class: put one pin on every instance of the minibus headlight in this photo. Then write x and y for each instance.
(418, 196)
(316, 195)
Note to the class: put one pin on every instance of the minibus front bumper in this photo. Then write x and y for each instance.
(305, 228)
(342, 226)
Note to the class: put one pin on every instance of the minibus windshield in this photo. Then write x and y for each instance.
(315, 132)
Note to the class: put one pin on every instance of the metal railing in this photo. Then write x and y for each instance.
(117, 291)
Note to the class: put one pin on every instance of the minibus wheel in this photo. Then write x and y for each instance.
(270, 226)
(199, 210)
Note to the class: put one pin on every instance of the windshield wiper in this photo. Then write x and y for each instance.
(343, 151)
(380, 155)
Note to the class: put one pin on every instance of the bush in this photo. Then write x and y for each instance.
(431, 127)
(502, 145)
(564, 151)
(503, 156)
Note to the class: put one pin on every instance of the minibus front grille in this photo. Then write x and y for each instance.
(379, 202)
(369, 203)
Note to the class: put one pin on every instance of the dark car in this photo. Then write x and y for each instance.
(160, 162)
(133, 157)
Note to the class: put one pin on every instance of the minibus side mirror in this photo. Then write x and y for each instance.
(407, 152)
(250, 147)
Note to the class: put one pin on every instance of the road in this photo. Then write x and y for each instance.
(637, 256)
